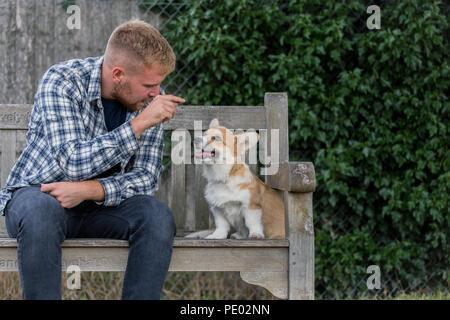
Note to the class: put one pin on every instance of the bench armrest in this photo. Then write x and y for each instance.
(298, 177)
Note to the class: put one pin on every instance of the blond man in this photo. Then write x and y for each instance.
(92, 161)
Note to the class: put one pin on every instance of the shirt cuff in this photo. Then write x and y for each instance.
(113, 194)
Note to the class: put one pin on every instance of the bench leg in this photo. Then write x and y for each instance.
(301, 245)
(275, 282)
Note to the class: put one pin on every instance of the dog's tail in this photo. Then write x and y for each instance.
(200, 234)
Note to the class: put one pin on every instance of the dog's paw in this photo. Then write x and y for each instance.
(256, 235)
(217, 236)
(236, 236)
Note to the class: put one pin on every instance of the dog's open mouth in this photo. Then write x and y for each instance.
(205, 154)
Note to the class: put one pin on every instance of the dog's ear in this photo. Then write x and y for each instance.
(246, 140)
(214, 123)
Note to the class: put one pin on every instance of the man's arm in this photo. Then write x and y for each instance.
(143, 172)
(71, 194)
(94, 190)
(142, 177)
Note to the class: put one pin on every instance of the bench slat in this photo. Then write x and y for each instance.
(181, 143)
(17, 116)
(244, 259)
(179, 242)
(232, 117)
(8, 150)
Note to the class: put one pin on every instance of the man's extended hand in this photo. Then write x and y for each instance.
(162, 108)
(71, 194)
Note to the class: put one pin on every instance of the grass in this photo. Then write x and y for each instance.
(413, 296)
(178, 286)
(422, 296)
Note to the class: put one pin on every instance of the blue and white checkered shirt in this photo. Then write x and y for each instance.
(67, 139)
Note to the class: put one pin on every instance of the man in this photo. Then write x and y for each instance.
(92, 162)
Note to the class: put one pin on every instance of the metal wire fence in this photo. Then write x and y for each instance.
(178, 82)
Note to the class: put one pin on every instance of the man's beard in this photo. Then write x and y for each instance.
(123, 90)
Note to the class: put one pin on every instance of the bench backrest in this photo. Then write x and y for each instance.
(180, 185)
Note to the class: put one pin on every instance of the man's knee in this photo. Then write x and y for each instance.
(157, 219)
(36, 213)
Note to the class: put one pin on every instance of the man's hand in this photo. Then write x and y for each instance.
(71, 194)
(162, 108)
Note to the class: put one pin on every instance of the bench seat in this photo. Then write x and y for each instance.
(260, 262)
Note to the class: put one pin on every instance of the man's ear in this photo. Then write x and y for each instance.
(214, 123)
(117, 74)
(246, 140)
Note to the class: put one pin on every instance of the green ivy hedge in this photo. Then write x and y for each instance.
(368, 107)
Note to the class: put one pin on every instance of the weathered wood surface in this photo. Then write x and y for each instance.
(276, 146)
(275, 282)
(178, 242)
(233, 117)
(300, 231)
(294, 177)
(183, 259)
(8, 152)
(177, 197)
(17, 116)
(188, 255)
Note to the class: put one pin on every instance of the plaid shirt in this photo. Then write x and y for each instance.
(67, 139)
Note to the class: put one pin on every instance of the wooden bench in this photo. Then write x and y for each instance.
(285, 266)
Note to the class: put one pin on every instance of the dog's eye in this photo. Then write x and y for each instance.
(217, 138)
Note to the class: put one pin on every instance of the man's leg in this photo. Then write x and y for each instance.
(149, 226)
(38, 222)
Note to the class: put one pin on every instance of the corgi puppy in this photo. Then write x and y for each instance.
(237, 198)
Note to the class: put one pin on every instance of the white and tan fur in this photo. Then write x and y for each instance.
(238, 199)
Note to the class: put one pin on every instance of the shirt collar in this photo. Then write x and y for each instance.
(94, 89)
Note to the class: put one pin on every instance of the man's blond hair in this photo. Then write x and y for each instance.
(136, 43)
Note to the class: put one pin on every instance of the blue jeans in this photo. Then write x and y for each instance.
(41, 224)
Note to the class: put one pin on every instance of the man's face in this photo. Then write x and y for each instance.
(134, 90)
